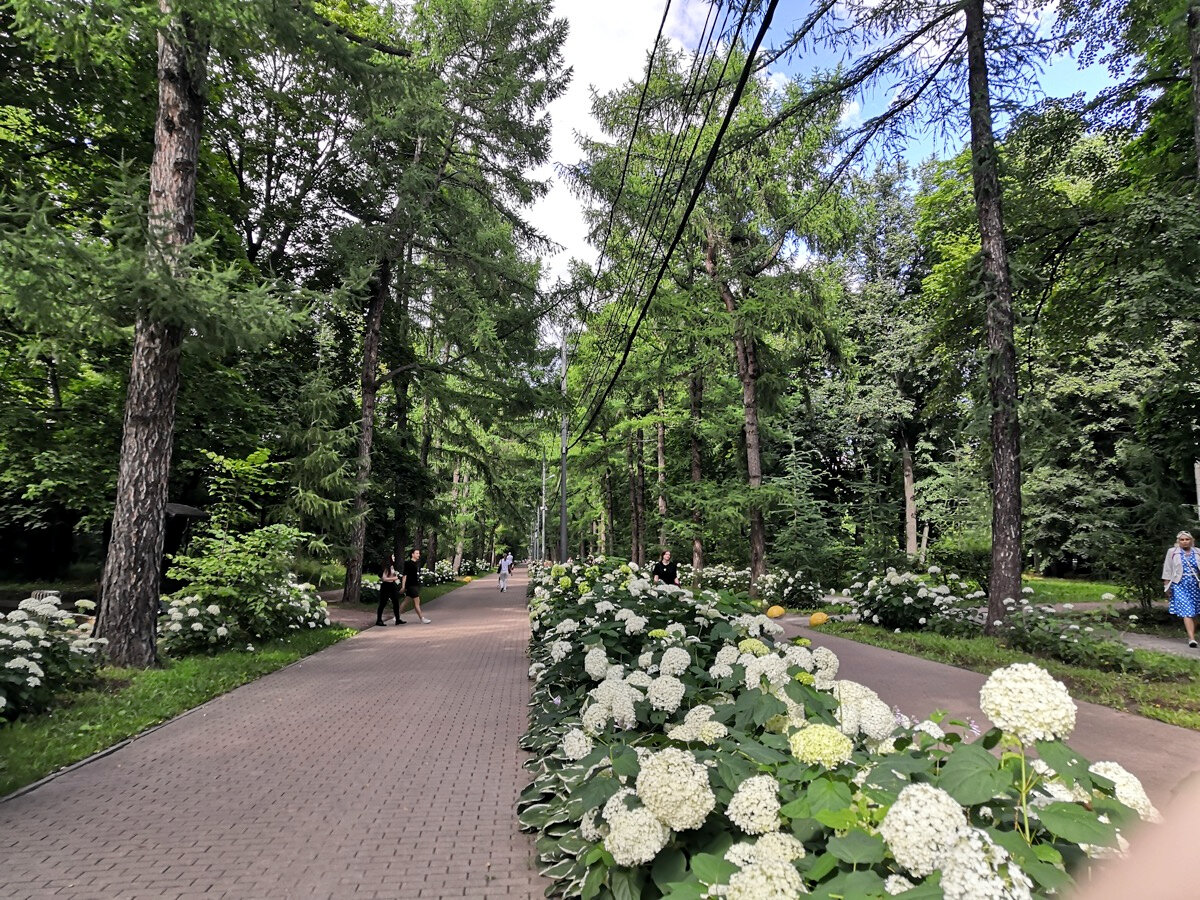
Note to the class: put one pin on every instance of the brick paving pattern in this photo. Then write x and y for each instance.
(385, 766)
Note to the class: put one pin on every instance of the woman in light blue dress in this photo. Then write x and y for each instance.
(1181, 581)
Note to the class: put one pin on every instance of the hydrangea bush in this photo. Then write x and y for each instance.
(791, 590)
(190, 625)
(683, 750)
(44, 650)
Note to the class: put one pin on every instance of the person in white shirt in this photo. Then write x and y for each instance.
(506, 564)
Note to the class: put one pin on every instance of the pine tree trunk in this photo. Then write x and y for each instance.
(696, 397)
(463, 491)
(607, 520)
(1002, 354)
(130, 587)
(380, 290)
(746, 351)
(1193, 25)
(640, 457)
(661, 474)
(910, 498)
(634, 537)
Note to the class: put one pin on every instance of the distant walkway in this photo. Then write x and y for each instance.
(385, 766)
(1160, 755)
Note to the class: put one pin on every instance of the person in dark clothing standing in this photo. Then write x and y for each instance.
(665, 571)
(410, 583)
(389, 589)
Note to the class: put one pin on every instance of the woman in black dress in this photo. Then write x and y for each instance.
(665, 571)
(410, 583)
(389, 589)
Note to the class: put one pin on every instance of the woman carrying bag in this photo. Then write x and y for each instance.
(1181, 581)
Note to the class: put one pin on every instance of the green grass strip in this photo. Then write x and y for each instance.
(128, 701)
(1175, 699)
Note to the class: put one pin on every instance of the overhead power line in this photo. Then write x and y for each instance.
(709, 161)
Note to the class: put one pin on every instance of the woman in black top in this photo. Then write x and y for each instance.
(389, 589)
(410, 583)
(665, 571)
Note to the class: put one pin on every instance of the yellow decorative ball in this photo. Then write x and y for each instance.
(776, 611)
(817, 619)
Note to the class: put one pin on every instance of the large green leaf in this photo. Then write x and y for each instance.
(669, 866)
(857, 847)
(1063, 760)
(1072, 822)
(626, 884)
(972, 775)
(712, 869)
(827, 794)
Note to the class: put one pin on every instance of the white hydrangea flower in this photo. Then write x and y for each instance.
(754, 808)
(826, 667)
(566, 626)
(1129, 789)
(605, 606)
(595, 718)
(1024, 701)
(675, 661)
(213, 610)
(665, 693)
(718, 671)
(595, 663)
(197, 626)
(590, 830)
(222, 631)
(175, 626)
(922, 827)
(635, 836)
(193, 611)
(640, 679)
(931, 728)
(771, 667)
(798, 656)
(559, 650)
(727, 655)
(897, 884)
(646, 660)
(635, 625)
(576, 745)
(977, 869)
(675, 787)
(766, 879)
(820, 743)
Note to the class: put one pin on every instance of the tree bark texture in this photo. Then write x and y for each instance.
(606, 515)
(696, 399)
(746, 351)
(1193, 25)
(640, 460)
(661, 487)
(380, 289)
(462, 490)
(130, 587)
(910, 498)
(1002, 353)
(634, 537)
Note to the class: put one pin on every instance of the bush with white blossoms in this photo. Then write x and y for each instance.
(698, 755)
(44, 650)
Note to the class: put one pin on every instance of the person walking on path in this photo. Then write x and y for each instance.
(665, 571)
(410, 584)
(1181, 581)
(389, 589)
(506, 564)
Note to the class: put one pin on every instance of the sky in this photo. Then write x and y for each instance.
(607, 46)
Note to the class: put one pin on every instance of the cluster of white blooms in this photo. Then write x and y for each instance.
(674, 786)
(566, 626)
(755, 626)
(675, 661)
(1053, 789)
(646, 660)
(1024, 701)
(931, 728)
(665, 693)
(536, 669)
(717, 671)
(754, 807)
(605, 606)
(1129, 789)
(635, 625)
(727, 655)
(773, 669)
(559, 650)
(897, 884)
(777, 845)
(768, 879)
(576, 745)
(861, 712)
(698, 726)
(786, 723)
(595, 663)
(640, 679)
(825, 664)
(977, 869)
(635, 836)
(798, 656)
(612, 698)
(822, 744)
(922, 827)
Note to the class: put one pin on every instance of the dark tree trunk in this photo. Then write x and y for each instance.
(1002, 354)
(380, 291)
(608, 521)
(746, 351)
(130, 587)
(910, 498)
(634, 537)
(1193, 25)
(661, 474)
(640, 460)
(696, 397)
(401, 387)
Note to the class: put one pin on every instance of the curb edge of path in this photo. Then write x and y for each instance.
(107, 751)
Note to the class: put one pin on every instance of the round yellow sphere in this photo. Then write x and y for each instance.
(776, 611)
(817, 619)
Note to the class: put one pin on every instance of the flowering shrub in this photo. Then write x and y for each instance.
(682, 750)
(902, 600)
(790, 590)
(719, 578)
(190, 625)
(43, 650)
(441, 572)
(1088, 642)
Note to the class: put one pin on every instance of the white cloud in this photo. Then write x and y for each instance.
(851, 113)
(606, 46)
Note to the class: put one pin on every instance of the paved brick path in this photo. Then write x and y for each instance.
(385, 766)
